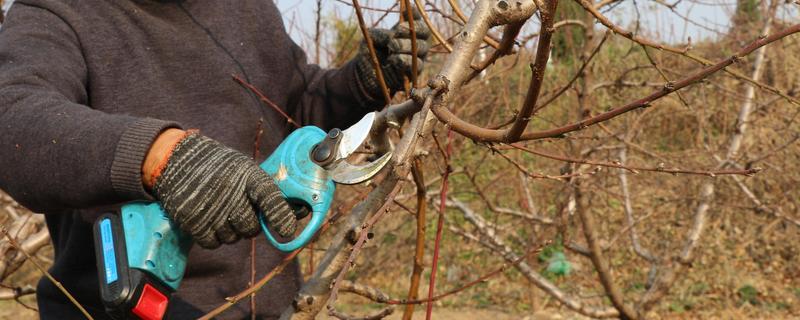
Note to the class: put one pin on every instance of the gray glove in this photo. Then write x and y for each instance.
(213, 193)
(393, 48)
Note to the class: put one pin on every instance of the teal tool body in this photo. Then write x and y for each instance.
(141, 255)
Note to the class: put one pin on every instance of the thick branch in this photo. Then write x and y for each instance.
(492, 135)
(538, 70)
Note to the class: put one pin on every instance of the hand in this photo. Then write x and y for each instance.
(393, 49)
(213, 192)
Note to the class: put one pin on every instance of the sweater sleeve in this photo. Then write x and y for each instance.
(55, 151)
(330, 98)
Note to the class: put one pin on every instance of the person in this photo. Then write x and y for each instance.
(106, 102)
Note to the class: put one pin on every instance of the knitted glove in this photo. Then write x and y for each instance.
(213, 193)
(393, 49)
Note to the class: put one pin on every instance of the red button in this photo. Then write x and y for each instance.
(152, 304)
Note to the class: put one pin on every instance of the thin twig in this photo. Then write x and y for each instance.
(376, 65)
(586, 4)
(623, 178)
(266, 100)
(439, 225)
(363, 235)
(472, 283)
(574, 77)
(256, 155)
(434, 30)
(489, 239)
(231, 301)
(44, 271)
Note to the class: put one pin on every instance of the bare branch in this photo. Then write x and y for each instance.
(364, 291)
(538, 69)
(493, 135)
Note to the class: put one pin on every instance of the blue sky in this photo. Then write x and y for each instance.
(707, 18)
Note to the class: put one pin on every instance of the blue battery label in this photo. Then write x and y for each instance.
(109, 258)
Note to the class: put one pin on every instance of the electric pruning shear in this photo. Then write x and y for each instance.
(141, 254)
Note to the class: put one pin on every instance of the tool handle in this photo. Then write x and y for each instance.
(154, 243)
(301, 181)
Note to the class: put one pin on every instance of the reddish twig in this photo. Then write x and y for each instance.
(439, 224)
(380, 297)
(254, 288)
(542, 176)
(264, 99)
(505, 47)
(598, 260)
(434, 31)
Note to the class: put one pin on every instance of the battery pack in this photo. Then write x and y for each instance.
(127, 293)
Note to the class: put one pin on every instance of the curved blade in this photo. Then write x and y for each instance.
(354, 136)
(346, 173)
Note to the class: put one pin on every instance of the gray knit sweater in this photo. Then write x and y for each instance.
(86, 85)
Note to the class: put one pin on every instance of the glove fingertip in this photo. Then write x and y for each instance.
(283, 221)
(287, 230)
